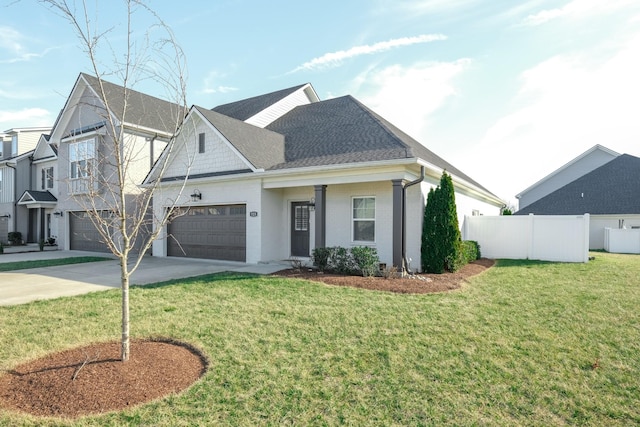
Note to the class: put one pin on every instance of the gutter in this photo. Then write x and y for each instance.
(15, 195)
(405, 262)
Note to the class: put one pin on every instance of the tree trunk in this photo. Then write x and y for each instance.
(124, 280)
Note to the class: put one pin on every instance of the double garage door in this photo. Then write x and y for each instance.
(210, 232)
(83, 235)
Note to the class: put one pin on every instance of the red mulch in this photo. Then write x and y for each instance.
(103, 383)
(92, 379)
(417, 284)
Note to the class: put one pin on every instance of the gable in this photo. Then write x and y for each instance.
(218, 157)
(581, 165)
(610, 189)
(264, 109)
(43, 150)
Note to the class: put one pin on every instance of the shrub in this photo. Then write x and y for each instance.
(470, 251)
(341, 261)
(359, 260)
(441, 241)
(320, 257)
(366, 260)
(15, 237)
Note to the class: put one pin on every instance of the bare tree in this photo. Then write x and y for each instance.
(111, 194)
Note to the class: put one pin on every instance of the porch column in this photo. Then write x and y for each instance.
(398, 220)
(321, 215)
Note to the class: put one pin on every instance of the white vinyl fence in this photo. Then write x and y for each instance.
(541, 237)
(622, 241)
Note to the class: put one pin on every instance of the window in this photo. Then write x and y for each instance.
(364, 219)
(14, 145)
(81, 156)
(46, 178)
(201, 143)
(301, 218)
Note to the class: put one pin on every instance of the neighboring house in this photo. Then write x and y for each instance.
(591, 159)
(272, 177)
(84, 145)
(609, 193)
(16, 145)
(14, 180)
(40, 200)
(17, 141)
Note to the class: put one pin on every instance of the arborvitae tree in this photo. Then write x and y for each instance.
(452, 241)
(441, 241)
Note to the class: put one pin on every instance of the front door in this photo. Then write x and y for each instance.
(300, 229)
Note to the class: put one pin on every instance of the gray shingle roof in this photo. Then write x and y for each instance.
(613, 188)
(263, 148)
(142, 109)
(246, 108)
(343, 130)
(41, 196)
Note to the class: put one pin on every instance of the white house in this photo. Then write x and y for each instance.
(274, 176)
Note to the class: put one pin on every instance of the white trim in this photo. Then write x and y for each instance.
(353, 220)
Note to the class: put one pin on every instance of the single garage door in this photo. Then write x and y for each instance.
(4, 230)
(211, 232)
(83, 235)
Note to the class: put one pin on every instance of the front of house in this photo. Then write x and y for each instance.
(275, 176)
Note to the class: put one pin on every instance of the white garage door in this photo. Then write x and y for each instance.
(210, 232)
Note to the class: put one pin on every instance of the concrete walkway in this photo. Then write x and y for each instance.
(22, 286)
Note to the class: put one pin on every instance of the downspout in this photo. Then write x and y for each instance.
(405, 262)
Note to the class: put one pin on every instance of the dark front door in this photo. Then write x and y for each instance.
(300, 229)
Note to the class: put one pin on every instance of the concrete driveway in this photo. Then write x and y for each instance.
(22, 286)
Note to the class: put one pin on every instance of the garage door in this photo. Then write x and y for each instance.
(83, 235)
(211, 232)
(4, 229)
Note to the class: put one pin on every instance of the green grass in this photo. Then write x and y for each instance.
(514, 347)
(22, 265)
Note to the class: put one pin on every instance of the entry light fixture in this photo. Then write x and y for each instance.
(58, 214)
(197, 195)
(312, 204)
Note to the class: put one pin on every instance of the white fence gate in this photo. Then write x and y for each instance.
(563, 238)
(622, 241)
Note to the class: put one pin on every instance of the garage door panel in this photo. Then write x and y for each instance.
(211, 232)
(83, 235)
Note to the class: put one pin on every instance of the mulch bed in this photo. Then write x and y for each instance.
(415, 284)
(93, 379)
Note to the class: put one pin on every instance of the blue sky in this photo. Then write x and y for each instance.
(507, 91)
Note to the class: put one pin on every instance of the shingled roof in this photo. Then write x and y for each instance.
(611, 189)
(263, 148)
(142, 109)
(247, 108)
(343, 130)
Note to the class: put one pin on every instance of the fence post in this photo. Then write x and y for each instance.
(530, 237)
(586, 237)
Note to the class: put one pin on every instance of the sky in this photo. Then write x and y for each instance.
(506, 91)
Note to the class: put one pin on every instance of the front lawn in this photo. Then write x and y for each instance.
(526, 343)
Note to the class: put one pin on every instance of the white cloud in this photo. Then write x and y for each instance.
(211, 84)
(26, 117)
(576, 8)
(408, 96)
(335, 59)
(566, 105)
(12, 42)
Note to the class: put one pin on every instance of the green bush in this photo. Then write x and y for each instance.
(15, 237)
(470, 251)
(320, 257)
(359, 260)
(441, 241)
(366, 260)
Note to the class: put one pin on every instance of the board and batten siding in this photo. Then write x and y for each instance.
(279, 109)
